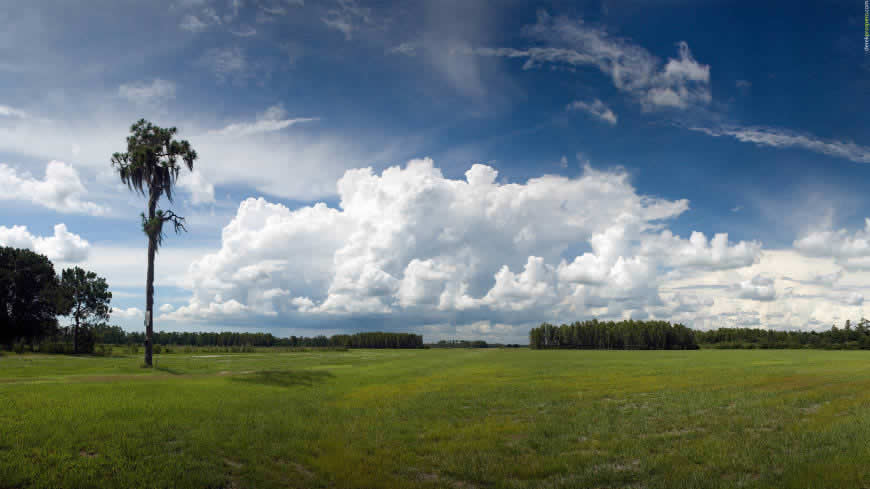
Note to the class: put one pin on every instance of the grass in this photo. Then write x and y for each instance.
(438, 418)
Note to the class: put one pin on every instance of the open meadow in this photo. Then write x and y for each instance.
(485, 418)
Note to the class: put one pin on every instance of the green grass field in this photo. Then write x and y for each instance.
(438, 418)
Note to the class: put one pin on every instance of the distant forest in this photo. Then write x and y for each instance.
(661, 335)
(848, 337)
(116, 336)
(611, 335)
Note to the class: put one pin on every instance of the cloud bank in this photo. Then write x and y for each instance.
(412, 244)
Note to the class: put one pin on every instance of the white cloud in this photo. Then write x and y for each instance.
(63, 246)
(245, 31)
(414, 244)
(783, 138)
(596, 108)
(6, 111)
(317, 157)
(226, 62)
(192, 23)
(718, 253)
(157, 91)
(785, 289)
(347, 17)
(406, 48)
(680, 83)
(273, 119)
(201, 191)
(851, 250)
(758, 288)
(128, 313)
(61, 189)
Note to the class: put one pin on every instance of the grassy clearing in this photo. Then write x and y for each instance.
(438, 418)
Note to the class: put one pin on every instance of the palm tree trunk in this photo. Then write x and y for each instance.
(76, 334)
(149, 284)
(149, 302)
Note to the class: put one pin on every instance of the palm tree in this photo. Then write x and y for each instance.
(150, 167)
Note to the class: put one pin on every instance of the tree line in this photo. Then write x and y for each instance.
(114, 335)
(33, 296)
(849, 337)
(611, 335)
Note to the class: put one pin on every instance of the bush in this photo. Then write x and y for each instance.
(18, 348)
(133, 349)
(87, 339)
(157, 349)
(103, 351)
(56, 347)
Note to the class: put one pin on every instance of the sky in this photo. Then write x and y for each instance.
(458, 169)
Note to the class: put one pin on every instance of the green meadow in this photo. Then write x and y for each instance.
(488, 418)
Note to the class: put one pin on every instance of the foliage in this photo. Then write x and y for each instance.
(846, 338)
(151, 167)
(460, 344)
(610, 335)
(377, 340)
(90, 300)
(116, 335)
(30, 298)
(151, 164)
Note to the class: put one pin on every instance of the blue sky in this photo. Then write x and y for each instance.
(742, 118)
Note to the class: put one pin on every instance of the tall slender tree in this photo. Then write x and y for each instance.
(150, 167)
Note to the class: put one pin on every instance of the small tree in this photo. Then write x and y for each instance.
(150, 167)
(89, 299)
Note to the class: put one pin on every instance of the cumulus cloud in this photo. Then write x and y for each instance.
(156, 91)
(413, 244)
(61, 189)
(849, 249)
(758, 288)
(128, 313)
(680, 83)
(697, 251)
(63, 246)
(596, 108)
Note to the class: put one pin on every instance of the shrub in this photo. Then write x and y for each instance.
(157, 349)
(55, 347)
(18, 348)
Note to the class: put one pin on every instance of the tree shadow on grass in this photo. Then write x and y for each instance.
(168, 370)
(285, 378)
